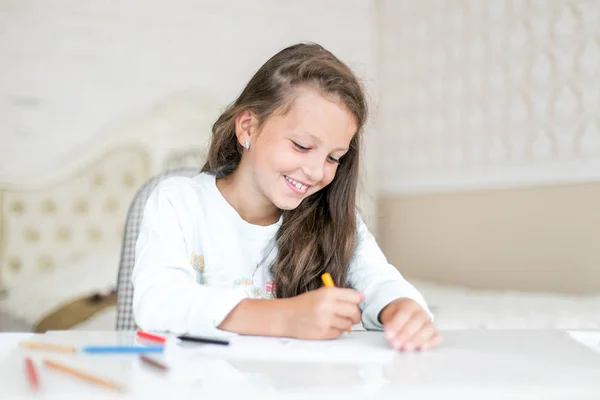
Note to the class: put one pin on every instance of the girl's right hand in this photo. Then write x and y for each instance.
(325, 313)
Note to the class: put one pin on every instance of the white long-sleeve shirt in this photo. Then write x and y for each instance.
(196, 259)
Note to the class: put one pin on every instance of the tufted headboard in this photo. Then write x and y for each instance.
(55, 223)
(76, 210)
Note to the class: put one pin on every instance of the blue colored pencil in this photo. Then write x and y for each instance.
(122, 349)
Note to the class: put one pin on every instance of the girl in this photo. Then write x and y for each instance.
(242, 246)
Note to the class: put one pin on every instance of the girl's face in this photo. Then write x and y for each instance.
(297, 154)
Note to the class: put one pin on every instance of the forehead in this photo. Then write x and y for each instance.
(325, 118)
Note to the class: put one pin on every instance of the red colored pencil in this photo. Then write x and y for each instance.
(151, 337)
(32, 375)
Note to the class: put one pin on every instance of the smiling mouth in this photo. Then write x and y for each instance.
(299, 187)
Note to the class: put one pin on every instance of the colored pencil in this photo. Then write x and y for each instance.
(328, 282)
(122, 349)
(153, 363)
(206, 340)
(153, 338)
(32, 375)
(82, 375)
(48, 347)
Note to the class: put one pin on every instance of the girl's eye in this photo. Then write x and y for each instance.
(305, 149)
(301, 148)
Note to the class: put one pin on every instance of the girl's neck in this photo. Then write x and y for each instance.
(250, 204)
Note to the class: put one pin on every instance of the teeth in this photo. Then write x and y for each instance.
(298, 185)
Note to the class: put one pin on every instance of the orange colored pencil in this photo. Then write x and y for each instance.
(48, 347)
(82, 375)
(328, 282)
(32, 375)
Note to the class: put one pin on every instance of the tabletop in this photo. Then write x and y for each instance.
(469, 364)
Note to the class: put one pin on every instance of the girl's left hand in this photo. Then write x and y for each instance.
(408, 327)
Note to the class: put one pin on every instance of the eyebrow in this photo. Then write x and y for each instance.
(319, 141)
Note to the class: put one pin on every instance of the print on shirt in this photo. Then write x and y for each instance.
(270, 288)
(198, 265)
(242, 282)
(255, 291)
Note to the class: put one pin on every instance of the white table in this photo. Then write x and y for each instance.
(470, 364)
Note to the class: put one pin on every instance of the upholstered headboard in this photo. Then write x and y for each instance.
(55, 223)
(50, 220)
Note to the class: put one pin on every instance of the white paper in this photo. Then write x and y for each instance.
(590, 339)
(10, 341)
(354, 348)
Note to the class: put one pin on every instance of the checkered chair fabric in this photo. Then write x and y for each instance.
(135, 214)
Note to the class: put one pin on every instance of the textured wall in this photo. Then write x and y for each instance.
(71, 71)
(71, 68)
(495, 93)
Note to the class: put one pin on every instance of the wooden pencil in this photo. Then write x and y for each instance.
(82, 375)
(48, 347)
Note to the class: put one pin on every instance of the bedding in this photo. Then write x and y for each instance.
(457, 307)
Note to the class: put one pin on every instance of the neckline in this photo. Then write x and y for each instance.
(245, 227)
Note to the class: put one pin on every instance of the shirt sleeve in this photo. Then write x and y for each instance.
(166, 295)
(381, 282)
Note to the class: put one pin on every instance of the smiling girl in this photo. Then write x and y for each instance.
(242, 246)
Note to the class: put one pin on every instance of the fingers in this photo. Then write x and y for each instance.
(431, 343)
(409, 329)
(348, 310)
(343, 294)
(341, 323)
(423, 338)
(412, 331)
(344, 303)
(393, 327)
(334, 333)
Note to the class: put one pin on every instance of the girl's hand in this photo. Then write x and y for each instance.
(408, 327)
(325, 313)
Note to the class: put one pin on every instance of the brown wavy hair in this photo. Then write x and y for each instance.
(320, 234)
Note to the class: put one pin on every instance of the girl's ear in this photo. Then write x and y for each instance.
(244, 123)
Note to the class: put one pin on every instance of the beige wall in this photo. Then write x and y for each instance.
(540, 239)
(490, 142)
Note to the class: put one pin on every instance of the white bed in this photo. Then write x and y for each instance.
(458, 307)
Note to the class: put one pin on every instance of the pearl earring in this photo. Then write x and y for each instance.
(246, 145)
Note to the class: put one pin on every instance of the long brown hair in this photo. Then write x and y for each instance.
(320, 234)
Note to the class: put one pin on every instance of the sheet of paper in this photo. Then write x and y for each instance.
(354, 348)
(590, 339)
(10, 341)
